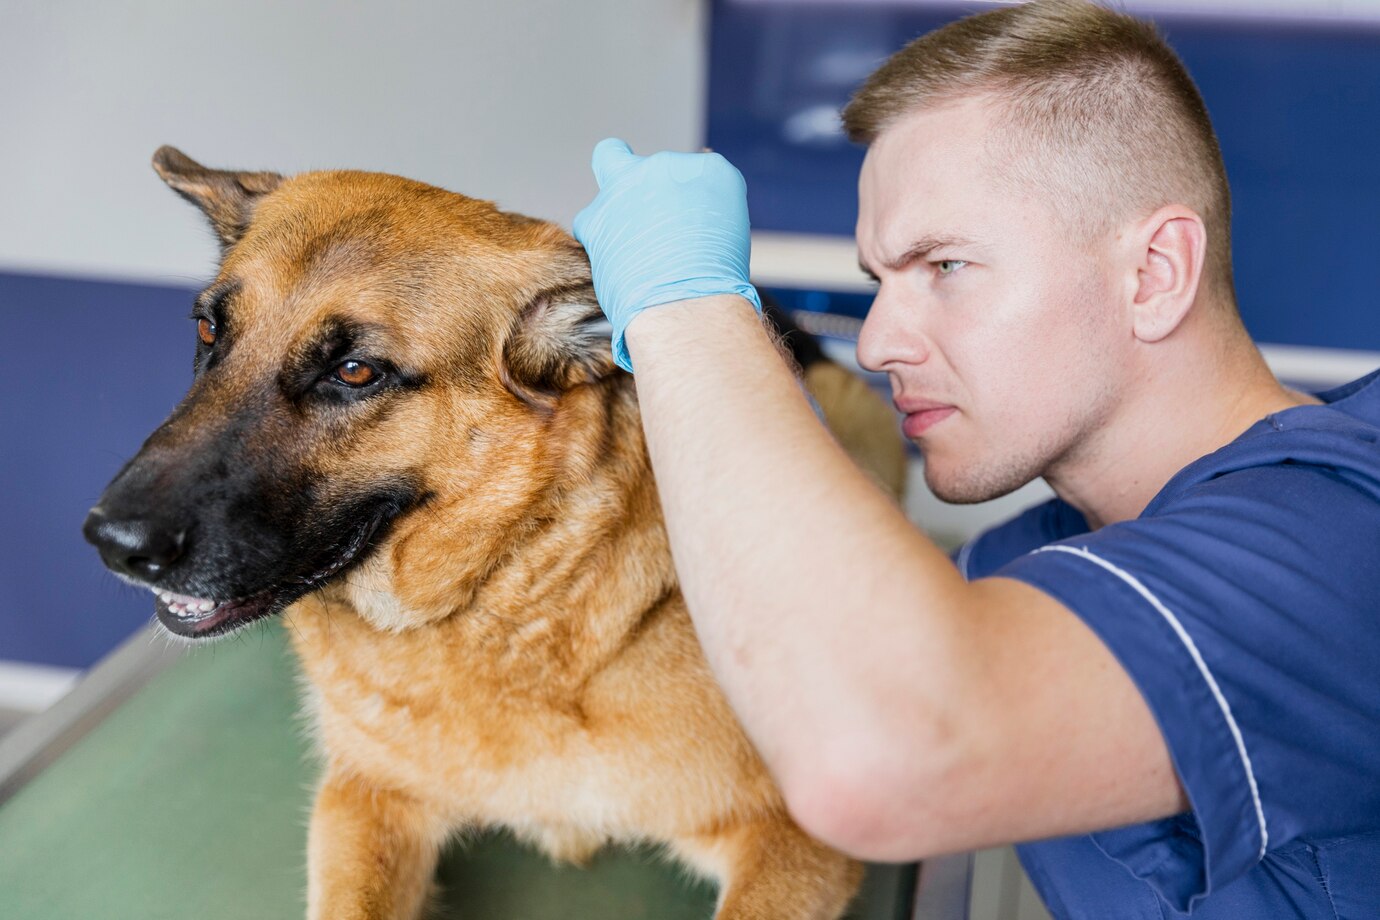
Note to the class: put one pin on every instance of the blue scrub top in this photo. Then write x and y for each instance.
(1245, 604)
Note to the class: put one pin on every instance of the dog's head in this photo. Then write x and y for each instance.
(373, 354)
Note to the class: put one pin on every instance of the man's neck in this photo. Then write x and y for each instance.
(1198, 404)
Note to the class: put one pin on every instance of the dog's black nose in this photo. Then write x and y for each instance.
(139, 547)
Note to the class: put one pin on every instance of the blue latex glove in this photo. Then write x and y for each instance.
(668, 227)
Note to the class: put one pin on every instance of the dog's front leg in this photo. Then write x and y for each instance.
(770, 870)
(371, 852)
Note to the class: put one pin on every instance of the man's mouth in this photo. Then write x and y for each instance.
(921, 414)
(917, 423)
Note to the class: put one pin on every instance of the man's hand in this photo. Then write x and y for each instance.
(663, 228)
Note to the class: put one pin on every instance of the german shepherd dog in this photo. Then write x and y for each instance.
(405, 433)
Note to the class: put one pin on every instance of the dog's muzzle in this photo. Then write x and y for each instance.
(223, 566)
(145, 550)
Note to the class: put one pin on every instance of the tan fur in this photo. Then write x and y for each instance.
(516, 651)
(864, 425)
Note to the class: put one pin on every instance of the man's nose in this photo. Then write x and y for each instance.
(143, 548)
(891, 335)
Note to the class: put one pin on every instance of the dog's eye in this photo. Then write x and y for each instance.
(206, 331)
(355, 374)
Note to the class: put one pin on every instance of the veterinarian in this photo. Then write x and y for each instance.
(1169, 675)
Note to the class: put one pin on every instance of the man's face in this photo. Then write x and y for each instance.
(1001, 331)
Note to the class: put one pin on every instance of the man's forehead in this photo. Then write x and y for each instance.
(953, 130)
(896, 219)
(932, 175)
(911, 161)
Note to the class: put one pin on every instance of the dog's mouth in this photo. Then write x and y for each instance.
(205, 617)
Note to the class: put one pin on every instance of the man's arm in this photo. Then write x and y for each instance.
(904, 711)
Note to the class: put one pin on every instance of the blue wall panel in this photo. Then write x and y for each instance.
(1297, 110)
(90, 369)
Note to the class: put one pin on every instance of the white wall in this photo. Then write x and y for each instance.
(500, 100)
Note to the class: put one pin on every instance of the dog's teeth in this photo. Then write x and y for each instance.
(185, 606)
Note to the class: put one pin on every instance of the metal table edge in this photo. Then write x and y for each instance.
(44, 737)
(940, 885)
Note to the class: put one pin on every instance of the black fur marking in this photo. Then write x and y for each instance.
(307, 375)
(335, 543)
(213, 304)
(211, 301)
(260, 528)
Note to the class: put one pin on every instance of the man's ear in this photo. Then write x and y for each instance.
(1170, 248)
(560, 339)
(227, 197)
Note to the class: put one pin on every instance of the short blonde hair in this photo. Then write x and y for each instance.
(1094, 102)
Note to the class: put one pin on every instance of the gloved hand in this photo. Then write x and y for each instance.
(667, 227)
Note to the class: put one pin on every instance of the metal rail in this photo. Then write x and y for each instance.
(42, 738)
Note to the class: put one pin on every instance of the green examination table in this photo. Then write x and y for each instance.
(177, 783)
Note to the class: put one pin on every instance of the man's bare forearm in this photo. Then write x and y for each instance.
(824, 614)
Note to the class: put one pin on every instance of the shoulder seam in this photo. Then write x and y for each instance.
(964, 555)
(1197, 657)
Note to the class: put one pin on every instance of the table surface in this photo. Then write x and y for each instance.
(174, 785)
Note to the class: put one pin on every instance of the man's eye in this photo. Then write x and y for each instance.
(355, 374)
(949, 266)
(206, 331)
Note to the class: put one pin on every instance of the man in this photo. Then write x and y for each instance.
(1170, 675)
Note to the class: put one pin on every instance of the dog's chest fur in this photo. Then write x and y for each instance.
(489, 726)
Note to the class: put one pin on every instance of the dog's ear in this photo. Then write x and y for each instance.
(560, 339)
(227, 197)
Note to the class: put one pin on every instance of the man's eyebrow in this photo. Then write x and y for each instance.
(924, 246)
(917, 250)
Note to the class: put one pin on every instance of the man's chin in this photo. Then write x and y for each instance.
(971, 487)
